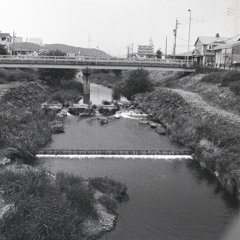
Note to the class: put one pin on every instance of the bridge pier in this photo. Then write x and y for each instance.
(86, 86)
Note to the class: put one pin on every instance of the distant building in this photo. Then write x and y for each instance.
(18, 39)
(25, 52)
(37, 41)
(5, 40)
(146, 51)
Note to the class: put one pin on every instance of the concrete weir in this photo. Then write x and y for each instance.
(113, 152)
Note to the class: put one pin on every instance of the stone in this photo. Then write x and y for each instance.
(160, 130)
(4, 161)
(76, 109)
(154, 125)
(57, 128)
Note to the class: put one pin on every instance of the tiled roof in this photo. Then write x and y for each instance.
(208, 40)
(5, 34)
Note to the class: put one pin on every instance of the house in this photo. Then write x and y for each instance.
(25, 52)
(5, 40)
(203, 53)
(223, 55)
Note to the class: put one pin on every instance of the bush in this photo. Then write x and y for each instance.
(235, 87)
(72, 84)
(62, 96)
(138, 81)
(45, 208)
(229, 77)
(214, 77)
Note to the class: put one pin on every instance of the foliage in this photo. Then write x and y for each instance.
(229, 79)
(63, 96)
(23, 124)
(54, 76)
(230, 76)
(49, 209)
(159, 53)
(138, 81)
(214, 77)
(20, 74)
(3, 50)
(72, 84)
(235, 87)
(117, 72)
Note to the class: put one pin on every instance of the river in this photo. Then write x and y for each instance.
(171, 199)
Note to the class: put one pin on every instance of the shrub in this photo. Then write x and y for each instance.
(214, 77)
(72, 95)
(71, 84)
(235, 87)
(45, 208)
(230, 76)
(138, 81)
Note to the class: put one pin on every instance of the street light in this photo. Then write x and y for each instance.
(189, 10)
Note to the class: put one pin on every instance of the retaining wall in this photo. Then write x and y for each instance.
(114, 152)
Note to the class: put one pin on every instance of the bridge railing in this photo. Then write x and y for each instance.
(89, 60)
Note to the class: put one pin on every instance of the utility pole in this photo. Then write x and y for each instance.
(189, 10)
(13, 51)
(175, 38)
(166, 48)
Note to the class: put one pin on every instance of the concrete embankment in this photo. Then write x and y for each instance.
(211, 132)
(114, 152)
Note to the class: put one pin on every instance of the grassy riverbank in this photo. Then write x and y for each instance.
(199, 116)
(44, 206)
(36, 203)
(24, 126)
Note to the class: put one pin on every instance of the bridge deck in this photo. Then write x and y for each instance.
(93, 63)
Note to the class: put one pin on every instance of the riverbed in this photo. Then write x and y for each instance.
(168, 198)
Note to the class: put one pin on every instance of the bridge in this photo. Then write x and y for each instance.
(88, 63)
(64, 62)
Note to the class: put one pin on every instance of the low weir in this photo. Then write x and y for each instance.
(114, 152)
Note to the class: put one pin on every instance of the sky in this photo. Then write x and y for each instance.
(112, 25)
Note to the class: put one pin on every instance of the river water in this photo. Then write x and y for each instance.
(168, 198)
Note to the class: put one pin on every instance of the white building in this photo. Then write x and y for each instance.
(37, 41)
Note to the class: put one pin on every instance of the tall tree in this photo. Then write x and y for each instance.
(54, 76)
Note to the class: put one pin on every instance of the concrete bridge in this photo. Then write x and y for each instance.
(20, 61)
(88, 63)
(113, 152)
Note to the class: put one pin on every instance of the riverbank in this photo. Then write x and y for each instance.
(61, 206)
(196, 116)
(25, 128)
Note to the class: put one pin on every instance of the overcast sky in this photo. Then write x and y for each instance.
(113, 24)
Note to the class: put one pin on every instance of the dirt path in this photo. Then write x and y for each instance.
(196, 101)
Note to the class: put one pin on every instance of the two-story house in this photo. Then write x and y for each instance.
(204, 52)
(5, 40)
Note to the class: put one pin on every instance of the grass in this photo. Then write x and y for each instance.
(229, 79)
(50, 209)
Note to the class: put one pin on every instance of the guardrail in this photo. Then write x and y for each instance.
(114, 152)
(90, 60)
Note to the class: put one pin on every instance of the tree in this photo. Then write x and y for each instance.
(3, 50)
(138, 81)
(159, 54)
(54, 76)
